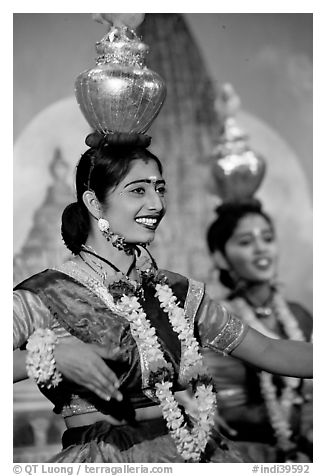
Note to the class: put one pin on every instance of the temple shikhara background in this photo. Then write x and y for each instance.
(195, 53)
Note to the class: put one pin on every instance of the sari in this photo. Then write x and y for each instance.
(72, 303)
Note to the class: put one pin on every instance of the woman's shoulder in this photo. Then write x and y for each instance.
(32, 283)
(303, 317)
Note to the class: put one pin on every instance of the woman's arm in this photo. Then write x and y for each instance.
(82, 363)
(283, 357)
(221, 331)
(77, 361)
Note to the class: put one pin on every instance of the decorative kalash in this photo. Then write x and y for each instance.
(237, 169)
(120, 94)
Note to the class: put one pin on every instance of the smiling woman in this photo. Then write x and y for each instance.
(271, 417)
(120, 185)
(114, 342)
(250, 253)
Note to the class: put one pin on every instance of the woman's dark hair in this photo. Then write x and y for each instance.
(221, 230)
(100, 169)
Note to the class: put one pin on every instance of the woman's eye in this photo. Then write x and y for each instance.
(244, 242)
(268, 237)
(161, 191)
(138, 190)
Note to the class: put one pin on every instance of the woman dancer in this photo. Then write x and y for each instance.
(258, 407)
(147, 324)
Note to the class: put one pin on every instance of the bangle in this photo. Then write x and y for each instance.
(40, 362)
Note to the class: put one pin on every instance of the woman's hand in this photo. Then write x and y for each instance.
(83, 364)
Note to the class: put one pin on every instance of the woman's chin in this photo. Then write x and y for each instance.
(262, 275)
(142, 238)
(261, 279)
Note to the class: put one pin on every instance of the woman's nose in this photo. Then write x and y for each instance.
(260, 245)
(155, 201)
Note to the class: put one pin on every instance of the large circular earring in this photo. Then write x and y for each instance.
(104, 227)
(103, 224)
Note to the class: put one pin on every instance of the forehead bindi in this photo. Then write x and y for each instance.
(252, 225)
(141, 171)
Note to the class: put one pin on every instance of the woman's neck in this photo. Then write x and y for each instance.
(259, 294)
(106, 250)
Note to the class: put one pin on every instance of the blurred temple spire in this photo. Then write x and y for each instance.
(43, 246)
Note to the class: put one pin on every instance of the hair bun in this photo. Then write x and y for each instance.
(118, 140)
(74, 227)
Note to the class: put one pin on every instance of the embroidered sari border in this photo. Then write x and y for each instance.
(232, 333)
(195, 294)
(74, 271)
(194, 297)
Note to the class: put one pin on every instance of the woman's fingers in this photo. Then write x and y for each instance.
(83, 364)
(107, 381)
(105, 393)
(108, 377)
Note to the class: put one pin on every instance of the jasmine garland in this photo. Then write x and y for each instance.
(190, 440)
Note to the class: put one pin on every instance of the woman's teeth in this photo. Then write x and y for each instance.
(262, 262)
(147, 221)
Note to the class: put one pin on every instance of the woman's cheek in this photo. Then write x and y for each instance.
(240, 262)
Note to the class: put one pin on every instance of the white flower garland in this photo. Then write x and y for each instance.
(40, 362)
(278, 408)
(190, 443)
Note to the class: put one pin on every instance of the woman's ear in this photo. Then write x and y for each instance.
(92, 204)
(220, 260)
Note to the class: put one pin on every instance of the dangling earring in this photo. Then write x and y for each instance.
(117, 241)
(104, 227)
(239, 284)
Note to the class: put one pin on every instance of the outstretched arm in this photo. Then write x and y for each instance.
(283, 357)
(221, 331)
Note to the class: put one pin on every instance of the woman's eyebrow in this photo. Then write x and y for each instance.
(145, 181)
(241, 234)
